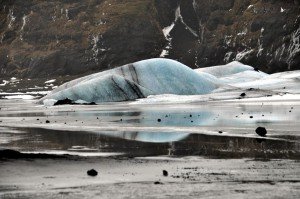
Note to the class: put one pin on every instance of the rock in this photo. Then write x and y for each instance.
(63, 102)
(47, 121)
(158, 120)
(251, 116)
(74, 41)
(220, 132)
(92, 172)
(158, 182)
(165, 173)
(243, 94)
(261, 131)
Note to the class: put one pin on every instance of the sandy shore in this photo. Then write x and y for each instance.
(189, 177)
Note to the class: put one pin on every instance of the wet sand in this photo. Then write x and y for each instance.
(189, 177)
(129, 147)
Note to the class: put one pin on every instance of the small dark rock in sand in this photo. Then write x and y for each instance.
(92, 172)
(37, 119)
(159, 120)
(165, 173)
(47, 121)
(261, 131)
(243, 95)
(157, 182)
(220, 131)
(251, 116)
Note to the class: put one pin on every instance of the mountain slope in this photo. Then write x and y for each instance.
(72, 37)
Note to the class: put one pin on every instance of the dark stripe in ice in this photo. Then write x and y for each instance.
(135, 89)
(117, 86)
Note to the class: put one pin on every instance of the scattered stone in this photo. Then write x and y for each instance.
(165, 173)
(243, 94)
(47, 121)
(251, 116)
(121, 119)
(261, 131)
(157, 182)
(220, 132)
(159, 120)
(92, 172)
(191, 115)
(37, 119)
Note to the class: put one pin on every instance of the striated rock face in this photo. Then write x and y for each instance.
(73, 37)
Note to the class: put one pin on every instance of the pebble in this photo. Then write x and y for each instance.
(165, 173)
(92, 172)
(261, 131)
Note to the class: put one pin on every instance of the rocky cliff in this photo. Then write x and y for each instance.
(73, 37)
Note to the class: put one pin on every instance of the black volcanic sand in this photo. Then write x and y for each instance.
(189, 177)
(130, 149)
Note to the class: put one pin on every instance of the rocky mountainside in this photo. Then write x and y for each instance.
(72, 37)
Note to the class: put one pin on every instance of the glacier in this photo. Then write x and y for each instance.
(161, 80)
(225, 70)
(137, 80)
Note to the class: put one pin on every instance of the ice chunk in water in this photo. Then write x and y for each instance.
(137, 80)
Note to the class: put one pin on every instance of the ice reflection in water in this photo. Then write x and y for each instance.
(135, 130)
(154, 143)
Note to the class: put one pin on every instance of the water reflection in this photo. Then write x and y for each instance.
(154, 143)
(146, 136)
